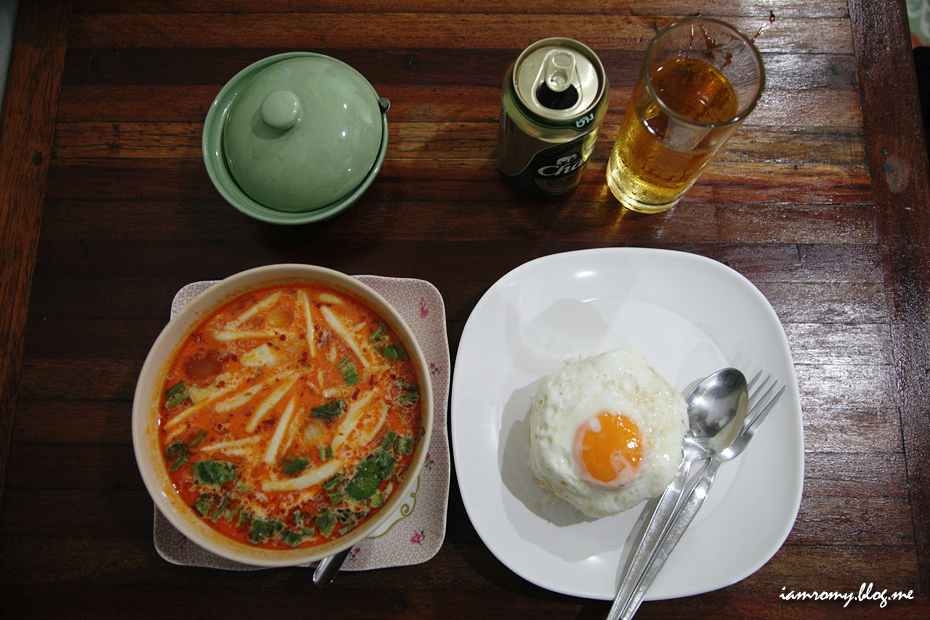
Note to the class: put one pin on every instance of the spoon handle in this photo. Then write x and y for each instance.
(672, 534)
(661, 516)
(326, 570)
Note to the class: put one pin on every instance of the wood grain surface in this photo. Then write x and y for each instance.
(106, 210)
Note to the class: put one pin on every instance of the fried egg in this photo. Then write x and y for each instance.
(606, 432)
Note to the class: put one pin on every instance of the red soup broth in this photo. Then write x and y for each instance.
(289, 416)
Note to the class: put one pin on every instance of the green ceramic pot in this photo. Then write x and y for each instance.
(295, 138)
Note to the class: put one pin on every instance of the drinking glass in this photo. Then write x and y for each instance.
(700, 80)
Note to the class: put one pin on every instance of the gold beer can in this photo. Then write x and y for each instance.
(553, 101)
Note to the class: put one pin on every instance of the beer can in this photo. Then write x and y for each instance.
(553, 101)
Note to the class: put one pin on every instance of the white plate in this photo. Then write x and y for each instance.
(689, 316)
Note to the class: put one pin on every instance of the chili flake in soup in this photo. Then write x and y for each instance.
(289, 416)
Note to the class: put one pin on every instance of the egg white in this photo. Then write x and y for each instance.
(619, 381)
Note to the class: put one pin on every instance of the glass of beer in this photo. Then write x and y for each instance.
(700, 80)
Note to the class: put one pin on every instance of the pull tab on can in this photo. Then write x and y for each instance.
(558, 84)
(559, 70)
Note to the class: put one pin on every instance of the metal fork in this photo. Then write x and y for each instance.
(760, 404)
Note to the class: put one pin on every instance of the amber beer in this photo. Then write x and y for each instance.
(683, 109)
(553, 101)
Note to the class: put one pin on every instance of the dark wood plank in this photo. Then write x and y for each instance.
(618, 9)
(841, 571)
(898, 160)
(92, 67)
(407, 180)
(27, 129)
(415, 139)
(428, 30)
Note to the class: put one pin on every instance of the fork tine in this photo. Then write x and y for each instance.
(759, 392)
(753, 398)
(758, 412)
(757, 396)
(762, 392)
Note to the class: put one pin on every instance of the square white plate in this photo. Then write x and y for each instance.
(689, 316)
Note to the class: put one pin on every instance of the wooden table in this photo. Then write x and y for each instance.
(821, 200)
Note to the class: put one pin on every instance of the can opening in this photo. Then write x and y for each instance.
(553, 100)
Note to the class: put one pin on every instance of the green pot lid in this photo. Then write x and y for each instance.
(303, 133)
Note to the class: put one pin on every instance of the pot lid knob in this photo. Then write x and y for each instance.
(281, 110)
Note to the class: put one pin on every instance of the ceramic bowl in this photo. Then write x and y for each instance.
(147, 397)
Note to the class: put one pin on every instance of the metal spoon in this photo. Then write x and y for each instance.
(326, 570)
(691, 502)
(716, 409)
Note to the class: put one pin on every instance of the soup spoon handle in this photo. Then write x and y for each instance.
(326, 570)
(652, 537)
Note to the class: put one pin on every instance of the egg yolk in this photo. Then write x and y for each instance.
(608, 449)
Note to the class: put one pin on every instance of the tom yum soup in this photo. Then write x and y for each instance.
(288, 416)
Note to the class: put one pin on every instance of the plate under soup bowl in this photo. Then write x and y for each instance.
(274, 465)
